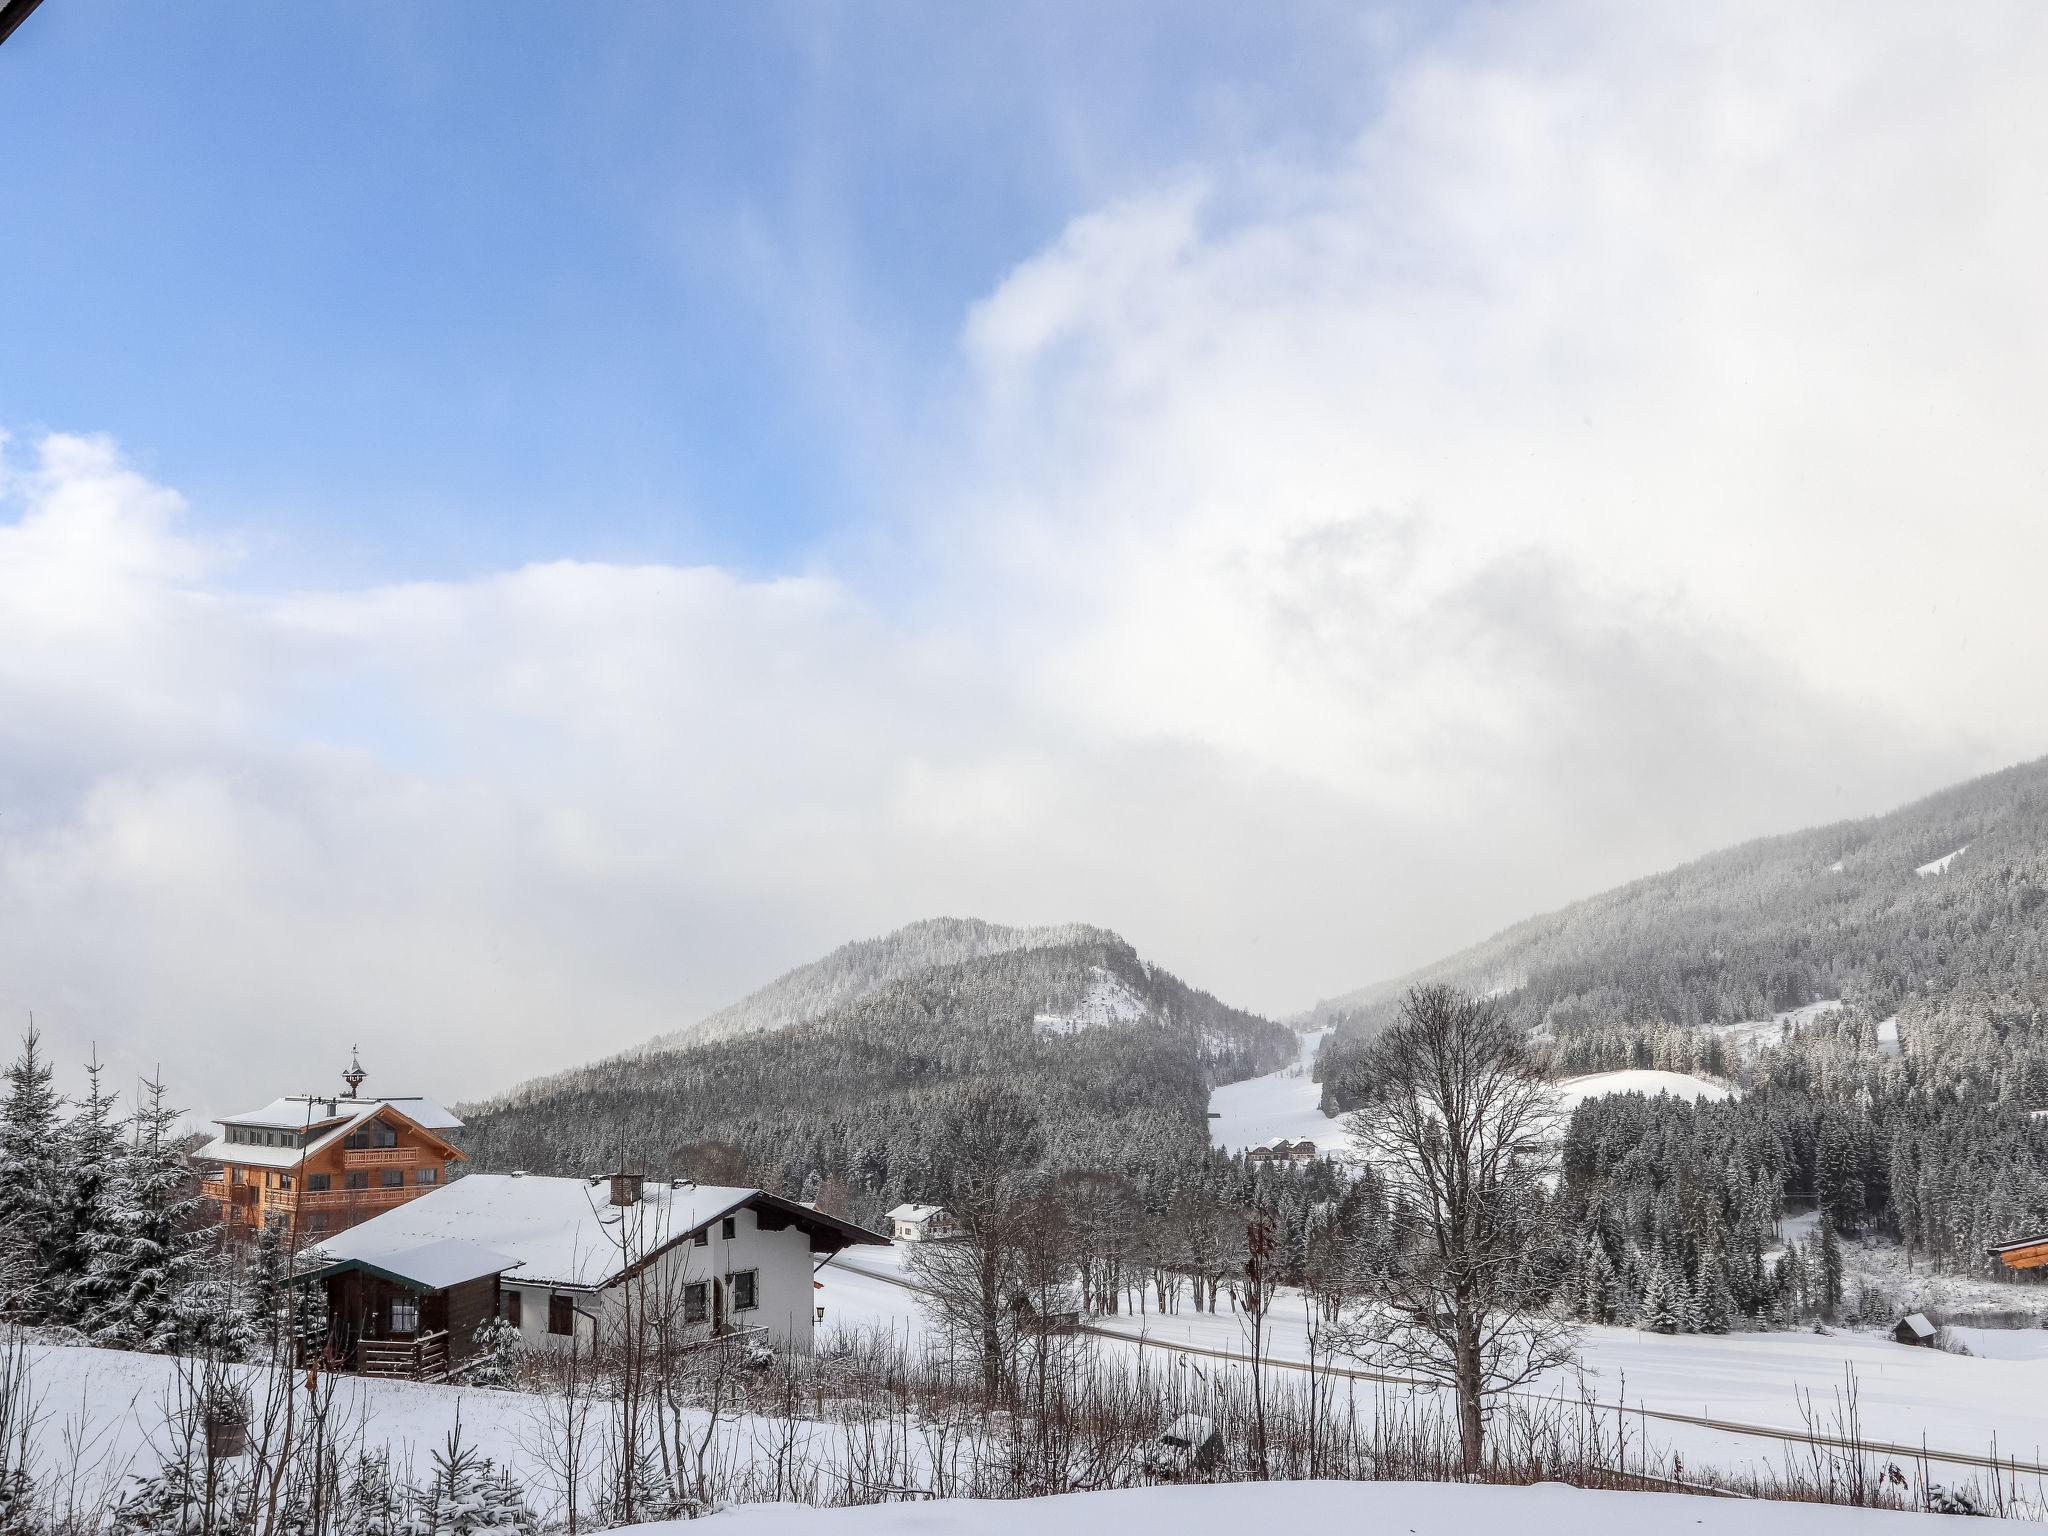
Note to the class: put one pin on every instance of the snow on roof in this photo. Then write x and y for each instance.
(559, 1231)
(915, 1212)
(298, 1111)
(221, 1150)
(1917, 1322)
(434, 1265)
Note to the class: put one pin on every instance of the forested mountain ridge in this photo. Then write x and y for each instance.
(1111, 1057)
(1950, 891)
(863, 966)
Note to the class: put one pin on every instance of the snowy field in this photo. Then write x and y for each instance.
(1755, 1389)
(1284, 1103)
(1229, 1509)
(1574, 1091)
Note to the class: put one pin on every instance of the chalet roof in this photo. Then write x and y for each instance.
(296, 1112)
(914, 1212)
(221, 1150)
(566, 1232)
(431, 1266)
(2013, 1247)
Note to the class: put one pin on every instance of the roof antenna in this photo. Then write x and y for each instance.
(355, 1074)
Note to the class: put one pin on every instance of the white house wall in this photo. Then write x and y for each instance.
(784, 1297)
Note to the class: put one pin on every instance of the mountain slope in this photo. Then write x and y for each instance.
(1951, 891)
(865, 965)
(1110, 1058)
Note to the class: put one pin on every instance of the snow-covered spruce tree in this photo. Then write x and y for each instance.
(154, 1261)
(1828, 1268)
(90, 1156)
(265, 1288)
(466, 1494)
(1658, 1312)
(29, 1163)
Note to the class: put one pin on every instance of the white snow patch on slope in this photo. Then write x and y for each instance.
(1888, 1036)
(1108, 1000)
(1940, 865)
(2003, 1343)
(1228, 1509)
(1752, 1034)
(1284, 1103)
(1680, 1085)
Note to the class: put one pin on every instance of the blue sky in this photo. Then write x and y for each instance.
(393, 291)
(535, 519)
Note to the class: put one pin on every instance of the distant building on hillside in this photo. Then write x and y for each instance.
(914, 1223)
(310, 1164)
(558, 1259)
(2025, 1253)
(1282, 1149)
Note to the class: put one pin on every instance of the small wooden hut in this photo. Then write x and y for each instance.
(413, 1313)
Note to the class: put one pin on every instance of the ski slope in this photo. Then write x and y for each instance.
(1284, 1103)
(1574, 1091)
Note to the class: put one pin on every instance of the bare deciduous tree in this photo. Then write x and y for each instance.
(1463, 1128)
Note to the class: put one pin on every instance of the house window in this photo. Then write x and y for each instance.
(318, 1220)
(696, 1301)
(743, 1291)
(430, 1175)
(510, 1309)
(701, 1237)
(357, 1178)
(375, 1134)
(235, 1174)
(319, 1181)
(405, 1314)
(393, 1177)
(561, 1315)
(729, 1226)
(284, 1181)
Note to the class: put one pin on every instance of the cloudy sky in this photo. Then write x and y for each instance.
(517, 525)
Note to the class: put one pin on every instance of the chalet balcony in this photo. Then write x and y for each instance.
(380, 1157)
(375, 1197)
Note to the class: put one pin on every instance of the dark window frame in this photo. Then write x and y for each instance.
(561, 1315)
(744, 1283)
(729, 1228)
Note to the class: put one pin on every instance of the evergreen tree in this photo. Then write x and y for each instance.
(1659, 1310)
(29, 1162)
(154, 1261)
(1828, 1269)
(90, 1149)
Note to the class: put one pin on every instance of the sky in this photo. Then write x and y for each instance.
(517, 526)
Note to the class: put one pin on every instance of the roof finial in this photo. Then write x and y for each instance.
(355, 1074)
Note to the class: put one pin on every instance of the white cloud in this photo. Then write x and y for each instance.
(1628, 446)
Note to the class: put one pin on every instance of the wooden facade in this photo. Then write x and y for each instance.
(354, 1165)
(2027, 1253)
(383, 1324)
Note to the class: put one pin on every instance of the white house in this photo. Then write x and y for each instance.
(567, 1251)
(921, 1223)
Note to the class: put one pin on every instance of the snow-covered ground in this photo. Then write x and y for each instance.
(1741, 1381)
(1574, 1091)
(1940, 865)
(1312, 1509)
(1751, 1034)
(1107, 1001)
(2003, 1343)
(1284, 1103)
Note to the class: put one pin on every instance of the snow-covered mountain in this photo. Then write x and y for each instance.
(1951, 891)
(866, 965)
(848, 1068)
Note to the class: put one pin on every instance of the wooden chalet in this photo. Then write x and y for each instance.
(559, 1258)
(2026, 1253)
(310, 1164)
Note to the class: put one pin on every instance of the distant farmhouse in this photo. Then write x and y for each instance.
(921, 1224)
(312, 1164)
(1282, 1149)
(407, 1290)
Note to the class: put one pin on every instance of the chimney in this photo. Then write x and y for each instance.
(627, 1187)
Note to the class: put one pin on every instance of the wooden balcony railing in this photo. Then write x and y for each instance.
(379, 1157)
(328, 1199)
